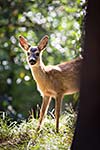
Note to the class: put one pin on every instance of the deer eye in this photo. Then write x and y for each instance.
(28, 53)
(37, 54)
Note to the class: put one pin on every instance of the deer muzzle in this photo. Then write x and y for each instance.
(32, 60)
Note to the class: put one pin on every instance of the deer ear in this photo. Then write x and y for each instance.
(43, 43)
(23, 42)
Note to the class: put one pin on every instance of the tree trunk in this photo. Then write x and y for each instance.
(87, 133)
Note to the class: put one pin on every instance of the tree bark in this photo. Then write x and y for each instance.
(87, 133)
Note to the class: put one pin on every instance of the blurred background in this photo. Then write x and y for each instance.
(61, 20)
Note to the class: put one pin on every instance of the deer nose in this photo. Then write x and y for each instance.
(32, 61)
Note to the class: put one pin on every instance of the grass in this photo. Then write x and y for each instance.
(23, 136)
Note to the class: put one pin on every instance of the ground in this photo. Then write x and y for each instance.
(23, 136)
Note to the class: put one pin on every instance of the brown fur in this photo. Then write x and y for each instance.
(54, 81)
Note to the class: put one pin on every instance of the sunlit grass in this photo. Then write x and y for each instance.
(23, 136)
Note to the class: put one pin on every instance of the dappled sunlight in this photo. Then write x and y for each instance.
(61, 20)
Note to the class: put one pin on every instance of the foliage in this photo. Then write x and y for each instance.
(60, 19)
(24, 136)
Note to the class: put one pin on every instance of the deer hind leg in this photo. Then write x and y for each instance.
(45, 104)
(57, 110)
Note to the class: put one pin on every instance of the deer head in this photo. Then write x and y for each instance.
(33, 53)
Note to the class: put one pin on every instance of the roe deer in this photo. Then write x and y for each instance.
(52, 81)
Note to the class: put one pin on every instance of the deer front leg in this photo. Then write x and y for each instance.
(45, 104)
(57, 110)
